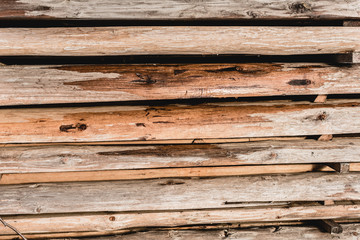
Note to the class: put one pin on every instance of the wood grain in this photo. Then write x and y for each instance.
(176, 194)
(171, 122)
(268, 233)
(107, 223)
(65, 158)
(90, 41)
(105, 83)
(22, 178)
(175, 9)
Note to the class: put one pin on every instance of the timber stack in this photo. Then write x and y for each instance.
(179, 119)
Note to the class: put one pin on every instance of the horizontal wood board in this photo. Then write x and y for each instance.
(106, 83)
(210, 120)
(175, 9)
(176, 194)
(100, 41)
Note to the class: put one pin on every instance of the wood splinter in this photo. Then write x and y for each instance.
(330, 226)
(340, 167)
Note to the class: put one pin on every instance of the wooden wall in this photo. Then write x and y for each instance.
(179, 119)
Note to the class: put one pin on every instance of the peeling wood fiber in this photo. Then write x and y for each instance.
(105, 83)
(99, 41)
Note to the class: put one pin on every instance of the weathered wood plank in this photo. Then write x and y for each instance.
(211, 120)
(88, 41)
(175, 194)
(350, 232)
(174, 9)
(65, 158)
(158, 142)
(91, 158)
(161, 173)
(102, 83)
(107, 223)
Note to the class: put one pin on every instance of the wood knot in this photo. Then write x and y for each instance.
(300, 7)
(299, 82)
(144, 79)
(273, 155)
(172, 182)
(321, 117)
(78, 126)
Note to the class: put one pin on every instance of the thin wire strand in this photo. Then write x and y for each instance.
(12, 228)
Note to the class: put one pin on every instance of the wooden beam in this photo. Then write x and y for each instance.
(105, 83)
(330, 226)
(100, 41)
(340, 167)
(65, 158)
(325, 137)
(172, 9)
(171, 122)
(352, 57)
(176, 194)
(107, 223)
(320, 98)
(22, 178)
(268, 233)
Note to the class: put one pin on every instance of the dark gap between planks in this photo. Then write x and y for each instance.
(41, 23)
(171, 59)
(192, 101)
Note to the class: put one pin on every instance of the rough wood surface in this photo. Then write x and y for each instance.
(102, 83)
(175, 9)
(161, 173)
(64, 158)
(176, 194)
(210, 120)
(107, 223)
(351, 231)
(158, 142)
(88, 41)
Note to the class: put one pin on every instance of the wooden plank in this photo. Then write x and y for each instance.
(159, 173)
(104, 83)
(210, 120)
(330, 226)
(99, 41)
(176, 194)
(157, 142)
(351, 57)
(268, 233)
(114, 222)
(340, 167)
(172, 9)
(64, 158)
